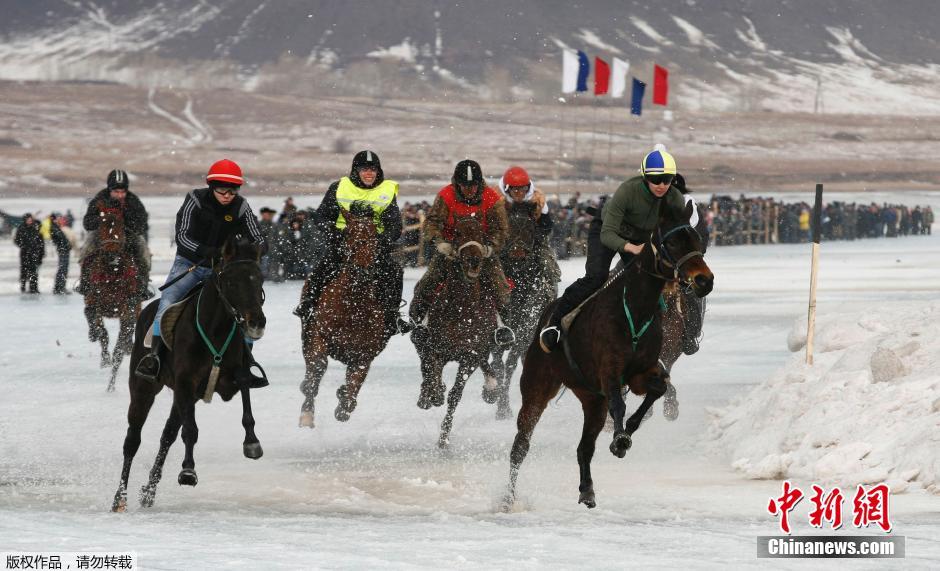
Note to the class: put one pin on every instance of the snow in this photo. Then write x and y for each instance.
(376, 491)
(591, 38)
(650, 31)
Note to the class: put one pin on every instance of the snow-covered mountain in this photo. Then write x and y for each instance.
(861, 55)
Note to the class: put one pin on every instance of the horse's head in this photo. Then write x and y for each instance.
(521, 239)
(678, 248)
(111, 237)
(239, 282)
(469, 240)
(361, 234)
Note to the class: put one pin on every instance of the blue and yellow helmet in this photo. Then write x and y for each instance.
(658, 162)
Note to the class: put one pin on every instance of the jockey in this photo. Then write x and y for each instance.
(366, 183)
(694, 314)
(625, 225)
(117, 196)
(523, 198)
(466, 195)
(205, 221)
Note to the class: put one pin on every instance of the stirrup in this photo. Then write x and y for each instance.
(504, 336)
(143, 374)
(543, 342)
(254, 381)
(404, 327)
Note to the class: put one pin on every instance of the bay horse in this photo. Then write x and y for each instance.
(460, 323)
(614, 342)
(535, 277)
(112, 290)
(348, 322)
(209, 333)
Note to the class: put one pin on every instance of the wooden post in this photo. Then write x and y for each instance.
(811, 321)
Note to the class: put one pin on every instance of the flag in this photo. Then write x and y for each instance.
(584, 70)
(618, 80)
(636, 104)
(601, 76)
(569, 71)
(660, 85)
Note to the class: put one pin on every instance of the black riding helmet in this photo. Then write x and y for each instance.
(366, 159)
(465, 173)
(117, 179)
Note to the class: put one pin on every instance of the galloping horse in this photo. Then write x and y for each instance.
(112, 290)
(348, 322)
(535, 285)
(206, 357)
(461, 321)
(615, 340)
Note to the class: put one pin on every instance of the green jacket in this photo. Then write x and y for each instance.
(632, 213)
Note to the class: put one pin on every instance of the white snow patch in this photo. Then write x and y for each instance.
(405, 51)
(696, 36)
(866, 412)
(592, 39)
(650, 31)
(850, 48)
(750, 37)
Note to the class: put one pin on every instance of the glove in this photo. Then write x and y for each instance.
(539, 199)
(445, 248)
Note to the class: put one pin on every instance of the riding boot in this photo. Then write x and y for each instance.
(245, 374)
(308, 300)
(149, 366)
(550, 335)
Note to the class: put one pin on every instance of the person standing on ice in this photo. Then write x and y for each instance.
(624, 226)
(32, 249)
(367, 184)
(208, 217)
(117, 195)
(466, 195)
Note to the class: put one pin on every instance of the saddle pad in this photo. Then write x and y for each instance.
(168, 322)
(568, 319)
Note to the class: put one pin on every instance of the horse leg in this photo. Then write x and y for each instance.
(316, 363)
(121, 347)
(347, 393)
(250, 447)
(456, 392)
(493, 371)
(670, 399)
(618, 409)
(536, 395)
(432, 386)
(503, 409)
(653, 385)
(187, 476)
(141, 401)
(594, 417)
(170, 431)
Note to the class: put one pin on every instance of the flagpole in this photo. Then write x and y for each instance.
(561, 151)
(610, 141)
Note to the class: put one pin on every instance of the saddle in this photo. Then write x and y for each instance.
(568, 319)
(169, 320)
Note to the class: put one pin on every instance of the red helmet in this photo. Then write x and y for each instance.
(225, 171)
(516, 176)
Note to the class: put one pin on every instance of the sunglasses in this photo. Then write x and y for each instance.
(660, 178)
(226, 191)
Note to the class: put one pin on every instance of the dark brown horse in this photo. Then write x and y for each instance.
(226, 309)
(112, 290)
(530, 265)
(348, 321)
(461, 321)
(615, 341)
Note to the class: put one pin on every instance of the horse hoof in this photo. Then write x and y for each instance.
(443, 443)
(187, 477)
(120, 503)
(621, 443)
(490, 396)
(146, 496)
(671, 410)
(252, 450)
(340, 413)
(588, 499)
(105, 362)
(504, 413)
(306, 420)
(439, 396)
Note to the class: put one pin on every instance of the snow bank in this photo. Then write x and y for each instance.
(867, 411)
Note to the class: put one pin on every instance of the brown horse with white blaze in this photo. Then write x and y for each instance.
(348, 322)
(112, 290)
(616, 340)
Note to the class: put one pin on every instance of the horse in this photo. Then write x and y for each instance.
(207, 357)
(461, 321)
(112, 290)
(348, 322)
(535, 285)
(615, 341)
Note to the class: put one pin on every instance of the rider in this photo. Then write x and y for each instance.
(694, 305)
(524, 199)
(117, 196)
(625, 225)
(367, 184)
(467, 195)
(205, 221)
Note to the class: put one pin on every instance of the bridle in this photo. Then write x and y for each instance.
(236, 315)
(664, 259)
